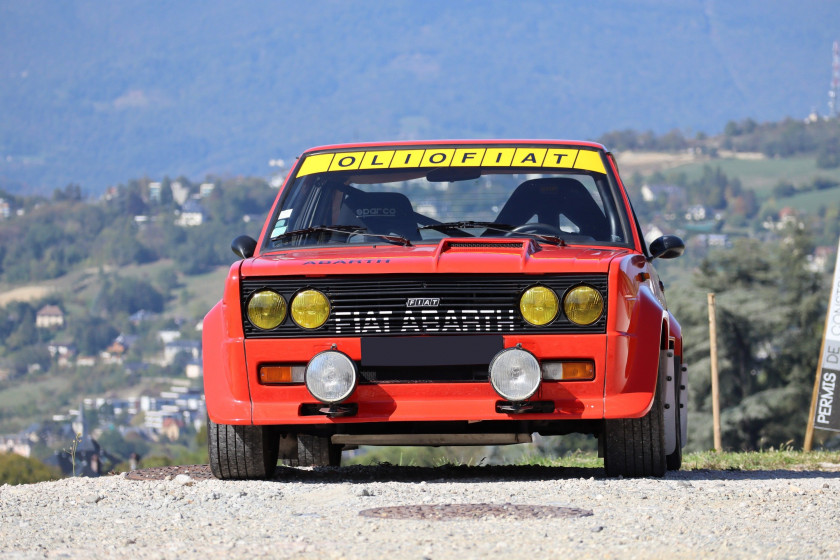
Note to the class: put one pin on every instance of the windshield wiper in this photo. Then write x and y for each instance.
(553, 239)
(354, 230)
(495, 227)
(468, 225)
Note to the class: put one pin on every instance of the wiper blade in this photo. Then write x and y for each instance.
(316, 229)
(496, 227)
(354, 230)
(553, 239)
(468, 225)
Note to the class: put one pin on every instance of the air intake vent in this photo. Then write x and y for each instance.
(509, 247)
(485, 245)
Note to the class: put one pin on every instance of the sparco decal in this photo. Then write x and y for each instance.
(424, 321)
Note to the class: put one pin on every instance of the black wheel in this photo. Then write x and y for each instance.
(312, 451)
(242, 452)
(635, 447)
(673, 461)
(317, 451)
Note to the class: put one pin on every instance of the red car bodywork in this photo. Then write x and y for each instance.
(626, 357)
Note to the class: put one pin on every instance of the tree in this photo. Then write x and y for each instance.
(15, 469)
(17, 326)
(828, 156)
(71, 192)
(732, 129)
(91, 334)
(129, 295)
(769, 318)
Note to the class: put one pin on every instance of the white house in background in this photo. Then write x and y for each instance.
(698, 213)
(61, 348)
(666, 193)
(192, 214)
(154, 191)
(206, 189)
(821, 259)
(15, 444)
(180, 193)
(191, 347)
(788, 217)
(168, 336)
(194, 369)
(49, 316)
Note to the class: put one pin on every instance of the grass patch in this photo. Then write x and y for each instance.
(771, 459)
(416, 456)
(764, 174)
(577, 459)
(784, 459)
(811, 201)
(198, 294)
(22, 402)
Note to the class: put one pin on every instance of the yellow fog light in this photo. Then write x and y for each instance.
(539, 305)
(310, 309)
(266, 309)
(583, 305)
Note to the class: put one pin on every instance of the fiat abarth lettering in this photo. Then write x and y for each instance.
(445, 293)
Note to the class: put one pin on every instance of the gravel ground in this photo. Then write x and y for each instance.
(332, 513)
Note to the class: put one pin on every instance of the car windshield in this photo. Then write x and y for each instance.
(328, 205)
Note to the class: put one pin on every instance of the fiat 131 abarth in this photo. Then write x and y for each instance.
(445, 293)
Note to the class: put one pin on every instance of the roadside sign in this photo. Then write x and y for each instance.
(825, 403)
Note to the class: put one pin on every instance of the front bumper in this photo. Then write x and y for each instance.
(418, 401)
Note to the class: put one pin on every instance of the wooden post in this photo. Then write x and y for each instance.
(715, 388)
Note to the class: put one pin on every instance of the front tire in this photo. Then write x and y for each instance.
(314, 451)
(635, 447)
(318, 451)
(242, 452)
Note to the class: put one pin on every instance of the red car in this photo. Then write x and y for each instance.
(445, 293)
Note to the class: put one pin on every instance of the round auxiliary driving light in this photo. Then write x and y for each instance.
(515, 374)
(266, 309)
(310, 309)
(331, 376)
(583, 305)
(539, 305)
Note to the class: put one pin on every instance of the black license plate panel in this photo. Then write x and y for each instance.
(424, 351)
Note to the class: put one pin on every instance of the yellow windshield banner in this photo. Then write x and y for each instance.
(555, 158)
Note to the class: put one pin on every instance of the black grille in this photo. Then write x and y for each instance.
(443, 304)
(483, 245)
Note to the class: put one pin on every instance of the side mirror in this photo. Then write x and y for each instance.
(666, 247)
(244, 246)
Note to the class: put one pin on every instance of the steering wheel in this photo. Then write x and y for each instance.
(545, 229)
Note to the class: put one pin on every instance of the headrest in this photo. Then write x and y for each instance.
(548, 198)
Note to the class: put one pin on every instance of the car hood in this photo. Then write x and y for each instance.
(450, 256)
